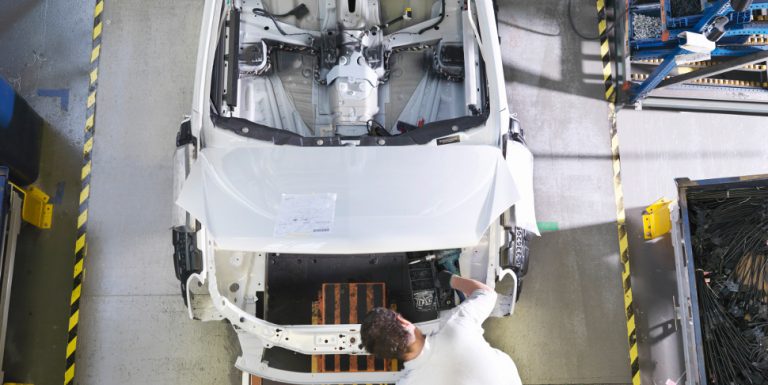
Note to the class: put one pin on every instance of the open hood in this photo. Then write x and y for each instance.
(348, 200)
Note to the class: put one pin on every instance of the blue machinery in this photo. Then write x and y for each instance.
(726, 49)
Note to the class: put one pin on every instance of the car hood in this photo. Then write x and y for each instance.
(287, 199)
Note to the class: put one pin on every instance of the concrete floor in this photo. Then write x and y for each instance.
(657, 148)
(45, 45)
(131, 301)
(569, 326)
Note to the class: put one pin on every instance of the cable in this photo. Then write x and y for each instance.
(376, 129)
(581, 35)
(300, 11)
(265, 13)
(437, 23)
(407, 15)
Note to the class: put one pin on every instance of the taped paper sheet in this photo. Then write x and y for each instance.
(305, 214)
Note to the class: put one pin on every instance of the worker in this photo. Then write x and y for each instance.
(457, 354)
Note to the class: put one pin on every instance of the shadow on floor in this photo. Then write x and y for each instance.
(558, 21)
(42, 281)
(15, 11)
(654, 286)
(572, 294)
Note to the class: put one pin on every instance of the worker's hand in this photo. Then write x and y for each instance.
(444, 279)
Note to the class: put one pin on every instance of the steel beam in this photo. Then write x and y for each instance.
(716, 69)
(639, 91)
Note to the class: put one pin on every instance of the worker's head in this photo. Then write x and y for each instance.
(386, 334)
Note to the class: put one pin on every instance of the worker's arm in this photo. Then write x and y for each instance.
(464, 285)
(480, 301)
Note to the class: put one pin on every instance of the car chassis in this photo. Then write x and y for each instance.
(222, 248)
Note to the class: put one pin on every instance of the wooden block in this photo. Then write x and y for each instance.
(348, 303)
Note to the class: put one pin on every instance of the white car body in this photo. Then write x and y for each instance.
(245, 192)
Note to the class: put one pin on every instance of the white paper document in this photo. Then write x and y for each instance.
(305, 214)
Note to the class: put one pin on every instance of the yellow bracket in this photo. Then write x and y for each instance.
(36, 210)
(656, 219)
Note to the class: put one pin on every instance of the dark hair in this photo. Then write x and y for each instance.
(383, 335)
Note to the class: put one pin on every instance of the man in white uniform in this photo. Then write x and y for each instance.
(457, 354)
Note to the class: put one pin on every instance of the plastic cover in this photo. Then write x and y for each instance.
(348, 199)
(520, 161)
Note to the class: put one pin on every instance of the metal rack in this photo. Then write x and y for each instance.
(658, 69)
(10, 224)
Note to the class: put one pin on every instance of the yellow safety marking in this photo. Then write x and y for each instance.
(86, 170)
(624, 243)
(69, 374)
(604, 48)
(89, 122)
(79, 244)
(75, 294)
(610, 95)
(633, 351)
(78, 268)
(88, 146)
(71, 346)
(91, 99)
(95, 53)
(97, 30)
(74, 319)
(82, 218)
(85, 193)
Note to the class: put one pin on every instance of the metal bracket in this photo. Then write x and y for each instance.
(36, 210)
(656, 219)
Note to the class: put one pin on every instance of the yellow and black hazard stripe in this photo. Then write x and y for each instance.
(85, 192)
(610, 96)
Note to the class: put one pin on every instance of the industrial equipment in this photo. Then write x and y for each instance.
(10, 224)
(693, 54)
(720, 241)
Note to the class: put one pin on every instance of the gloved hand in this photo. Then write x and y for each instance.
(444, 279)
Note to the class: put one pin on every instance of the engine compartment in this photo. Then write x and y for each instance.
(280, 288)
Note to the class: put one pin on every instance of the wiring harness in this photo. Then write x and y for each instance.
(730, 243)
